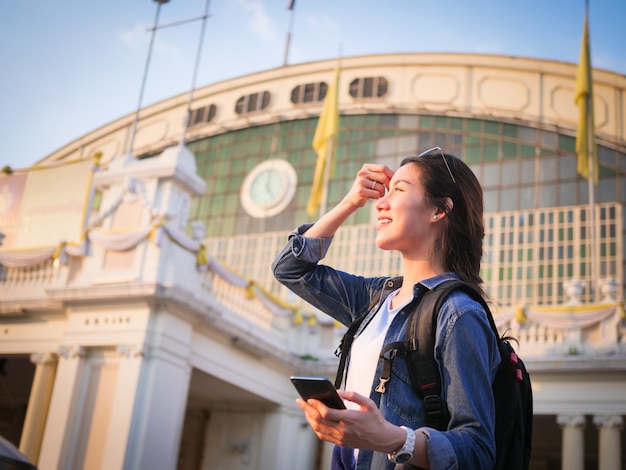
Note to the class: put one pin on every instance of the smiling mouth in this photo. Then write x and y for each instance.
(384, 221)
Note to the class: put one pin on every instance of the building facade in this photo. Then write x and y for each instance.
(152, 335)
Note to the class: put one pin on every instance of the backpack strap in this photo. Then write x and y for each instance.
(420, 334)
(343, 349)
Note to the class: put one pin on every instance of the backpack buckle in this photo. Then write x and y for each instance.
(432, 406)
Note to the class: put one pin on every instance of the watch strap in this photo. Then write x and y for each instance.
(405, 453)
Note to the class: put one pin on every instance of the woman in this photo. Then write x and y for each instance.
(430, 211)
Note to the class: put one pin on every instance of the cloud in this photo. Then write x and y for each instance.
(260, 22)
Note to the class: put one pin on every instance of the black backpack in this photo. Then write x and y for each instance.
(511, 386)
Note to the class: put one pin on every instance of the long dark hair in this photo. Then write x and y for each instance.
(461, 245)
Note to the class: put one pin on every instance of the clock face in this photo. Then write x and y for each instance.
(268, 188)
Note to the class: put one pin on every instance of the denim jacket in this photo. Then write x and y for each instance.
(465, 351)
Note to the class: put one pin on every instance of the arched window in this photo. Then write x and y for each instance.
(369, 87)
(251, 103)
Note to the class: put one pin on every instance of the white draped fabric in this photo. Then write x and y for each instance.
(271, 305)
(182, 239)
(229, 276)
(569, 318)
(119, 241)
(26, 258)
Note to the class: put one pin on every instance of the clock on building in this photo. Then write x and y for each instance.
(268, 188)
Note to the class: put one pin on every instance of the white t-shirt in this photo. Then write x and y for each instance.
(366, 350)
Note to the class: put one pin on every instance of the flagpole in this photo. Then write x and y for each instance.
(292, 9)
(595, 271)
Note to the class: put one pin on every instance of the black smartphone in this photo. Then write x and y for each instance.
(320, 388)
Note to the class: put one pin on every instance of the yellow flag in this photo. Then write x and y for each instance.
(583, 97)
(324, 143)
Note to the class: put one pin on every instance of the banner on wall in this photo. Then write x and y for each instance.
(44, 206)
(11, 191)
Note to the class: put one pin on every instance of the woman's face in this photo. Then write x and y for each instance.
(406, 223)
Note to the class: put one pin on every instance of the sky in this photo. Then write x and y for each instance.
(69, 67)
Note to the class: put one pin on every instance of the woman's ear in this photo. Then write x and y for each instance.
(440, 213)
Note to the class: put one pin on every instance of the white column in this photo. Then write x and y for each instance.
(609, 449)
(38, 404)
(573, 444)
(124, 399)
(59, 434)
(158, 411)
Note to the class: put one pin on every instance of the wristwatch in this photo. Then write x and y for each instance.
(406, 452)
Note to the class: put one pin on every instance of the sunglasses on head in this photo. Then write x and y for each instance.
(438, 149)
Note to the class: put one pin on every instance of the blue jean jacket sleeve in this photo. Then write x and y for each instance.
(341, 295)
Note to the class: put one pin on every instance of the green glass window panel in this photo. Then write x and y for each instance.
(492, 127)
(368, 149)
(473, 141)
(612, 249)
(358, 120)
(238, 167)
(370, 135)
(491, 152)
(219, 185)
(225, 152)
(355, 135)
(217, 202)
(474, 125)
(254, 131)
(567, 143)
(223, 168)
(441, 122)
(541, 272)
(472, 154)
(509, 150)
(509, 130)
(560, 271)
(228, 138)
(295, 141)
(227, 226)
(372, 120)
(254, 147)
(234, 184)
(583, 269)
(232, 201)
(456, 123)
(426, 122)
(604, 171)
(527, 151)
(354, 151)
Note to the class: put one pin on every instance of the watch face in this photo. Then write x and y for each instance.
(268, 188)
(402, 458)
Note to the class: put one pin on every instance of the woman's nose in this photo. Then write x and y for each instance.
(382, 203)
